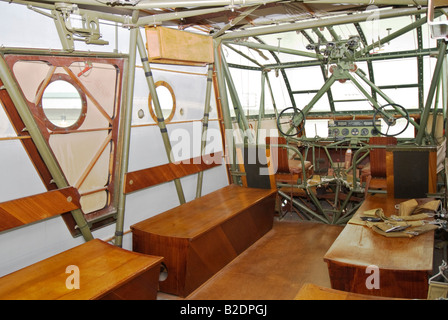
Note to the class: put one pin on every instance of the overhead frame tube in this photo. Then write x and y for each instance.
(316, 23)
(158, 112)
(227, 4)
(40, 142)
(270, 48)
(371, 2)
(234, 21)
(394, 35)
(244, 55)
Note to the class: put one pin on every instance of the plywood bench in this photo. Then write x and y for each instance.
(200, 237)
(105, 272)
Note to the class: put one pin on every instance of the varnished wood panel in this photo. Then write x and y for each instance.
(378, 155)
(198, 238)
(432, 172)
(105, 271)
(404, 263)
(33, 208)
(276, 266)
(145, 178)
(207, 254)
(143, 287)
(311, 291)
(395, 283)
(197, 216)
(174, 252)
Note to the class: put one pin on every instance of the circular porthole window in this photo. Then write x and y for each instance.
(167, 101)
(63, 104)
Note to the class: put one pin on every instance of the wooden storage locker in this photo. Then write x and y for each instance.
(166, 45)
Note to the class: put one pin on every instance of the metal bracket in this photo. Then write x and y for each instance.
(439, 29)
(89, 32)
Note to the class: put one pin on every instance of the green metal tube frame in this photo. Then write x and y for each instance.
(434, 82)
(338, 218)
(385, 97)
(327, 85)
(236, 101)
(158, 112)
(227, 119)
(126, 134)
(301, 206)
(205, 126)
(262, 105)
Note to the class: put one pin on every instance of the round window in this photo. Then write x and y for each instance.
(63, 104)
(167, 101)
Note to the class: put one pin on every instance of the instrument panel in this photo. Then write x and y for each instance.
(340, 129)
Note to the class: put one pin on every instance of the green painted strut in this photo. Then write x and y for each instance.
(158, 111)
(126, 134)
(432, 89)
(205, 125)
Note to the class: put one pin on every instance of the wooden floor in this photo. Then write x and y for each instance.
(275, 267)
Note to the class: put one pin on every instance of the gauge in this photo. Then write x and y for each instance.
(336, 132)
(364, 131)
(374, 132)
(355, 131)
(345, 131)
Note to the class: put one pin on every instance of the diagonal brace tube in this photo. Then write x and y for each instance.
(383, 95)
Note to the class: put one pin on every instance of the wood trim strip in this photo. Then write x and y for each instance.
(15, 213)
(145, 178)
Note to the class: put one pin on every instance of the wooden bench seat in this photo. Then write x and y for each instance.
(200, 237)
(105, 272)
